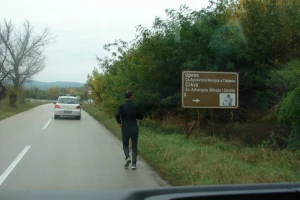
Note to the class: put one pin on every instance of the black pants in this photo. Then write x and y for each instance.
(134, 141)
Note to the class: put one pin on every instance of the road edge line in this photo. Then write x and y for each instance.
(13, 165)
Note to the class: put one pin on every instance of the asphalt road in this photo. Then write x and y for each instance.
(40, 153)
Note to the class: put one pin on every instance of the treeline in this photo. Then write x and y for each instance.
(53, 93)
(259, 39)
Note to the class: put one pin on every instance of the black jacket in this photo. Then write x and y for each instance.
(127, 115)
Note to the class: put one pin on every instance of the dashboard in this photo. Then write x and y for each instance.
(271, 191)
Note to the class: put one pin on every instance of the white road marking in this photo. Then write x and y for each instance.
(47, 124)
(13, 165)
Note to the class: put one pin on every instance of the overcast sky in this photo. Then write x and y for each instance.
(82, 28)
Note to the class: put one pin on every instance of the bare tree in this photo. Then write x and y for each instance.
(4, 71)
(3, 56)
(24, 51)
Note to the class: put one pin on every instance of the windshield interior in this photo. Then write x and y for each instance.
(127, 94)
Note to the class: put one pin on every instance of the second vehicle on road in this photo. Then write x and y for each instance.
(67, 106)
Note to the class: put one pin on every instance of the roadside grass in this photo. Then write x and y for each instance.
(7, 111)
(108, 121)
(208, 160)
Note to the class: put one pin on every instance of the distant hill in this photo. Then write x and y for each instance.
(46, 85)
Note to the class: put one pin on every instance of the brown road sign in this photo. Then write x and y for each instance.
(202, 89)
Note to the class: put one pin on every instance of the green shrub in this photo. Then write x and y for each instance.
(289, 113)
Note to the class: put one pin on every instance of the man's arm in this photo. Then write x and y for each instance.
(139, 115)
(118, 115)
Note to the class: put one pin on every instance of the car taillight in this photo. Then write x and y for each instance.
(78, 107)
(57, 106)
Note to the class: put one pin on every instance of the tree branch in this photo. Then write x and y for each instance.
(24, 50)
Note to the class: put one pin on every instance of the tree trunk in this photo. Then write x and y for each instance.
(13, 97)
(13, 100)
(2, 92)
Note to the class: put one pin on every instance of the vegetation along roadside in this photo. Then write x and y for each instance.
(8, 111)
(206, 160)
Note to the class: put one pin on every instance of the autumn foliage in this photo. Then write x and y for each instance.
(257, 38)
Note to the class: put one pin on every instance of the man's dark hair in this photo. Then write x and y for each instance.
(128, 94)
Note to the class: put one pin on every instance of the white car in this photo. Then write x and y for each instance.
(67, 106)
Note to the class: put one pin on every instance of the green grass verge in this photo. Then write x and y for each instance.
(7, 111)
(207, 160)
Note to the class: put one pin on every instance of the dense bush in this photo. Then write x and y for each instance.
(257, 38)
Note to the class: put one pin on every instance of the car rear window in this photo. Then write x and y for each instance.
(67, 100)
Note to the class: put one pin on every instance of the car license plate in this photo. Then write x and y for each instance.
(68, 112)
